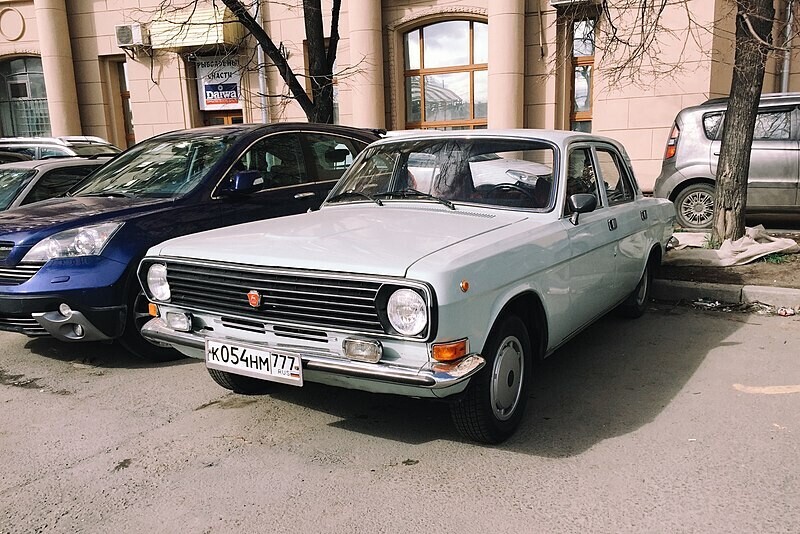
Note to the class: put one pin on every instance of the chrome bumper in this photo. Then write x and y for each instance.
(434, 376)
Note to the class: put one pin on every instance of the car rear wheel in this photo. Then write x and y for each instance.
(491, 408)
(132, 340)
(636, 303)
(694, 206)
(243, 385)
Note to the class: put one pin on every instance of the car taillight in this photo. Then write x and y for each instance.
(672, 142)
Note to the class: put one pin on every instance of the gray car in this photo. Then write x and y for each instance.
(690, 161)
(25, 182)
(58, 147)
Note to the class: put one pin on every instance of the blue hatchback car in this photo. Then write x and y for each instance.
(68, 265)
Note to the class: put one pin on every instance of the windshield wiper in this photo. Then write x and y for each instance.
(115, 194)
(346, 194)
(409, 193)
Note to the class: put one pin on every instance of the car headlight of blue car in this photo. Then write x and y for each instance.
(83, 241)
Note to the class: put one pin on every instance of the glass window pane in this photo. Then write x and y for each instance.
(581, 126)
(446, 44)
(412, 50)
(711, 124)
(447, 97)
(413, 103)
(481, 94)
(583, 84)
(480, 32)
(772, 125)
(583, 38)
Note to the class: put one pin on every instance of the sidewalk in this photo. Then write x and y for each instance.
(677, 290)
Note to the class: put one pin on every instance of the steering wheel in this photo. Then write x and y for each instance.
(511, 187)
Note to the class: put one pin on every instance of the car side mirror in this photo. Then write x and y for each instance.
(244, 183)
(581, 203)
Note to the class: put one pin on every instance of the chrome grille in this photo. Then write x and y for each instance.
(287, 298)
(14, 276)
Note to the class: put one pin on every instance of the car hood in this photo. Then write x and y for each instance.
(365, 239)
(39, 220)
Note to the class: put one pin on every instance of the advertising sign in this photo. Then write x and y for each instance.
(219, 82)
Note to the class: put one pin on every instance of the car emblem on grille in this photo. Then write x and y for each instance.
(254, 298)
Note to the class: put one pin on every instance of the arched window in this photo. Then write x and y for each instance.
(446, 77)
(23, 99)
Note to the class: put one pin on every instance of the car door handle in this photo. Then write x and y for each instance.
(716, 153)
(308, 194)
(612, 224)
(643, 213)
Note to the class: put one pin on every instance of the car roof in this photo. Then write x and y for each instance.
(247, 128)
(559, 137)
(52, 163)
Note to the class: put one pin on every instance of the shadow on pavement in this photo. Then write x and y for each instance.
(610, 380)
(95, 354)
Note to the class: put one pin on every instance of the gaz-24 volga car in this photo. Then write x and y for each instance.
(441, 265)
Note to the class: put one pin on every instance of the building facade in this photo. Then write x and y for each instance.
(128, 69)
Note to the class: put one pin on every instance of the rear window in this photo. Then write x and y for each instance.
(92, 149)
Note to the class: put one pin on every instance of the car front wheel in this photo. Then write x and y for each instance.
(694, 206)
(243, 385)
(491, 408)
(132, 340)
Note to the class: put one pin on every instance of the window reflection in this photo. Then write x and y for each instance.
(446, 77)
(583, 83)
(446, 44)
(583, 38)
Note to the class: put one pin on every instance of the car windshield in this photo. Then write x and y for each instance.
(11, 183)
(499, 172)
(157, 168)
(94, 149)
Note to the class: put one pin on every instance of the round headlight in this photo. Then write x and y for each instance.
(407, 312)
(157, 281)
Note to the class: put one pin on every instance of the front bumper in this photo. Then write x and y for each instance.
(37, 316)
(432, 380)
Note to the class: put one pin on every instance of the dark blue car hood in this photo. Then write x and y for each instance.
(30, 224)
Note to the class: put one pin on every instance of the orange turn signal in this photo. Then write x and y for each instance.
(152, 309)
(448, 352)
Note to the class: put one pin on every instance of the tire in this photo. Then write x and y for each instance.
(694, 206)
(491, 408)
(132, 339)
(635, 305)
(243, 385)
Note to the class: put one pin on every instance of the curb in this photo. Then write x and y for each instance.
(674, 290)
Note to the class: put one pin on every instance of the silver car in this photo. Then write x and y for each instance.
(441, 265)
(690, 160)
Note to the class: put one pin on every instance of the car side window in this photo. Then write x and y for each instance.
(581, 175)
(47, 151)
(27, 150)
(331, 155)
(772, 125)
(615, 180)
(279, 159)
(56, 182)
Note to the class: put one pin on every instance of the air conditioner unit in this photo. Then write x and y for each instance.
(131, 35)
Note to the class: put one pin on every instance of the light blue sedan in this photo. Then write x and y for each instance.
(442, 265)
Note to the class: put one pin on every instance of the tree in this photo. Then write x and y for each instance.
(316, 104)
(633, 35)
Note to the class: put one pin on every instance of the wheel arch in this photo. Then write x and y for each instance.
(689, 182)
(528, 306)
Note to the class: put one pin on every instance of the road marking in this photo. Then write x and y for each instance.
(767, 390)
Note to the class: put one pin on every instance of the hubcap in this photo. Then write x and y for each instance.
(507, 377)
(698, 208)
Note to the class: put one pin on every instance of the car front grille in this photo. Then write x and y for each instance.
(294, 298)
(14, 276)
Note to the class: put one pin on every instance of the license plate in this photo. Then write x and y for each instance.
(255, 362)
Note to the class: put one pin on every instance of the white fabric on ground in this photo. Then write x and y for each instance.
(756, 243)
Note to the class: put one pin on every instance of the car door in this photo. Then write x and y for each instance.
(327, 157)
(629, 222)
(774, 160)
(593, 242)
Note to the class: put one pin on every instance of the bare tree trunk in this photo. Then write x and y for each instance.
(753, 35)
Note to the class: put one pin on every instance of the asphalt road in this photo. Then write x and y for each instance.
(682, 421)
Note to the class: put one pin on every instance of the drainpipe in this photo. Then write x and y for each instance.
(787, 58)
(262, 71)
